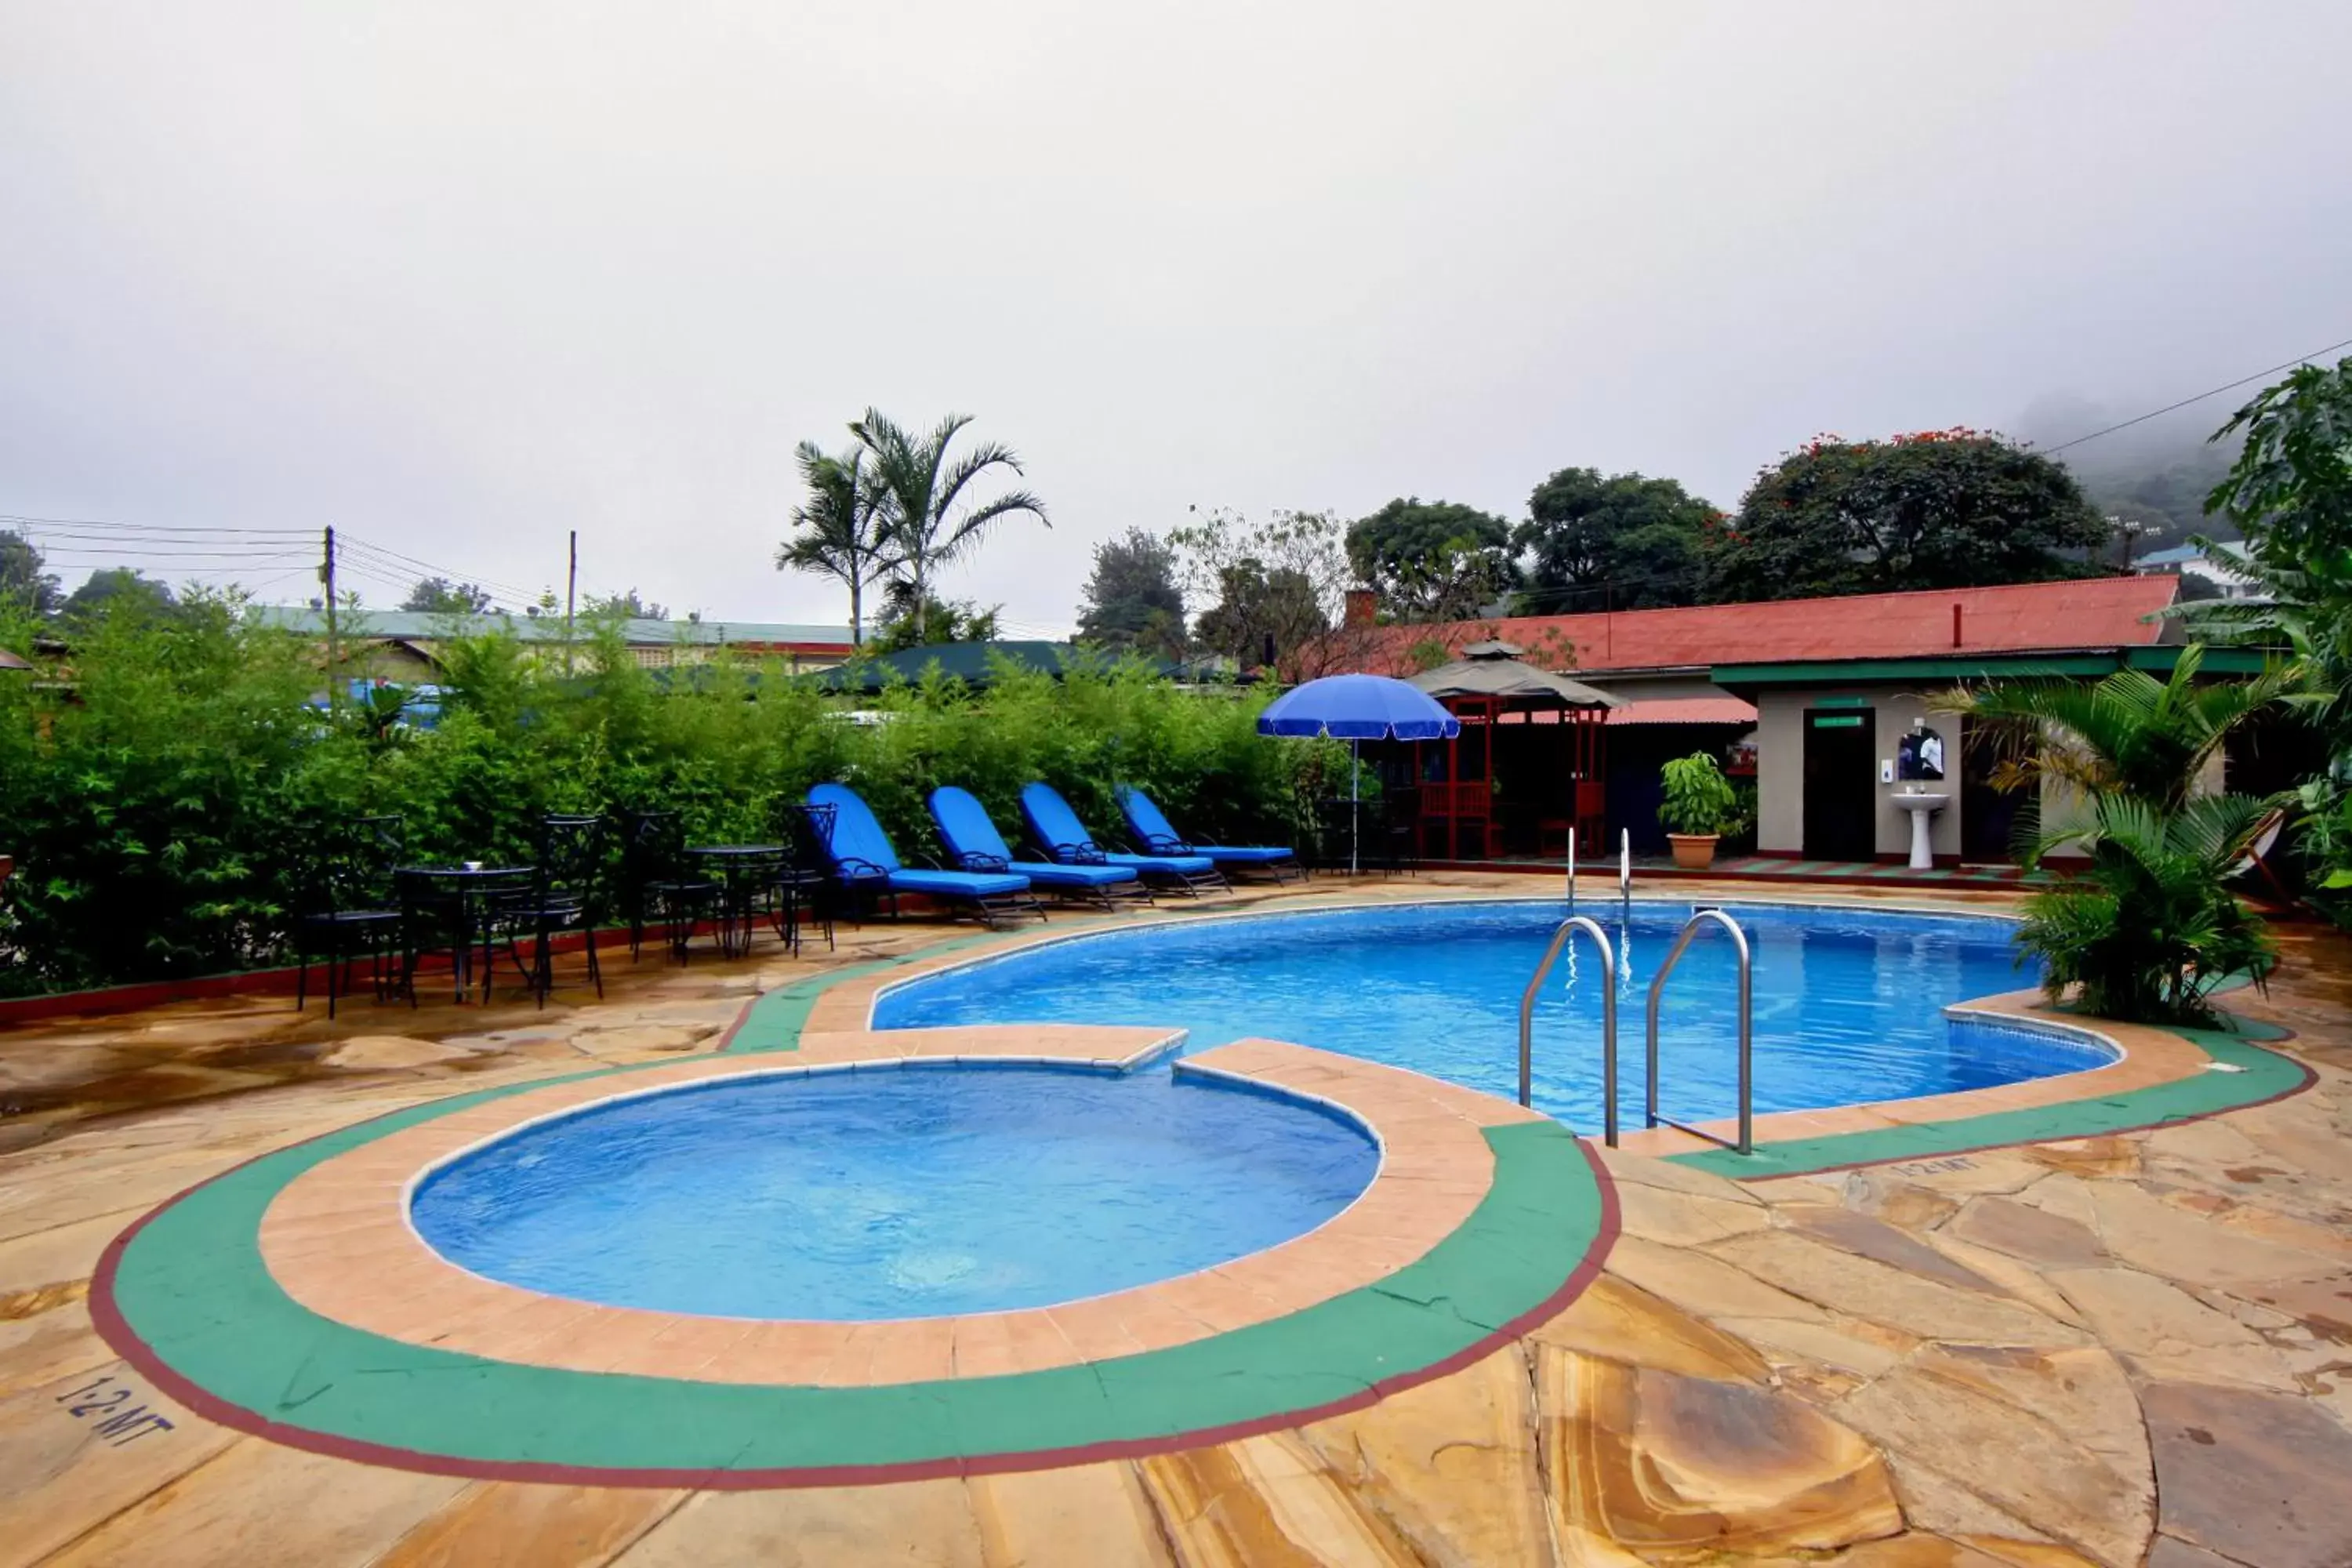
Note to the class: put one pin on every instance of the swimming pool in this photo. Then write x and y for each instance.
(1848, 1003)
(920, 1189)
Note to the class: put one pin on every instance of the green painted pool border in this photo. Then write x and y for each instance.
(187, 1297)
(2261, 1076)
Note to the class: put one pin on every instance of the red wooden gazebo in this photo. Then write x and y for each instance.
(1486, 689)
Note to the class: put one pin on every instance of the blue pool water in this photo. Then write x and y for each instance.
(915, 1192)
(1848, 1004)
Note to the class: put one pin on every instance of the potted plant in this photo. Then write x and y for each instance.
(1700, 807)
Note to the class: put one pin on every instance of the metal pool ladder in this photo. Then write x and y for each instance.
(1747, 1144)
(1568, 928)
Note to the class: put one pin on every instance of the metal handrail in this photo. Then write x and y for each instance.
(1747, 1144)
(1625, 878)
(1568, 928)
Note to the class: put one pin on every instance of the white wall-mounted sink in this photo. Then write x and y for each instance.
(1923, 807)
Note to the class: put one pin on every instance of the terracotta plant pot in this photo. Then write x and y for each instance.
(1692, 851)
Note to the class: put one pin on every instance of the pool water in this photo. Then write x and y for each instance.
(918, 1190)
(1848, 1006)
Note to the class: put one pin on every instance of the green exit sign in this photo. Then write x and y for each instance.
(1837, 721)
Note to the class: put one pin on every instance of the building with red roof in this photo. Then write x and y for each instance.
(1942, 626)
(1822, 702)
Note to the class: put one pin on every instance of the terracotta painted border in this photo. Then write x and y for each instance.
(339, 1241)
(775, 1022)
(846, 999)
(2160, 1076)
(1439, 1295)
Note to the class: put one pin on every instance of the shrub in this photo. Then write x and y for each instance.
(2157, 930)
(161, 812)
(1698, 798)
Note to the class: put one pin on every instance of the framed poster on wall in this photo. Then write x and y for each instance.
(1920, 754)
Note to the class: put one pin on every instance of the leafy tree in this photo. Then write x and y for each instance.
(2291, 489)
(116, 589)
(841, 530)
(1131, 603)
(440, 597)
(21, 578)
(2290, 492)
(1260, 608)
(1433, 560)
(926, 519)
(1280, 582)
(1941, 509)
(627, 605)
(941, 620)
(379, 711)
(1623, 541)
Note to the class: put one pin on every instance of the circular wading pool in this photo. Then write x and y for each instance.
(555, 1390)
(921, 1190)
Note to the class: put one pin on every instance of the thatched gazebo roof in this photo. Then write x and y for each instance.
(1494, 669)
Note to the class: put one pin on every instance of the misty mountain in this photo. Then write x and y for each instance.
(2157, 475)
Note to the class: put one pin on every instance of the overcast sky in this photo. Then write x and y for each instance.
(460, 277)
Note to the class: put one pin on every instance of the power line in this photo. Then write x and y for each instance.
(256, 589)
(110, 553)
(12, 519)
(2214, 392)
(398, 560)
(374, 577)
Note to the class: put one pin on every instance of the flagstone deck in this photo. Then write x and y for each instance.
(2133, 1347)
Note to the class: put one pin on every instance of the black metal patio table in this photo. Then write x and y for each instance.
(461, 903)
(744, 871)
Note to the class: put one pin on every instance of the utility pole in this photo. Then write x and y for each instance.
(571, 593)
(334, 649)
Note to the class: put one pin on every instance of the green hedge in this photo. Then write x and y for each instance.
(158, 804)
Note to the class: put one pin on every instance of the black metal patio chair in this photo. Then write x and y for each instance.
(350, 909)
(804, 887)
(657, 884)
(564, 895)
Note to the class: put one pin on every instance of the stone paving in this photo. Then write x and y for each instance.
(2133, 1347)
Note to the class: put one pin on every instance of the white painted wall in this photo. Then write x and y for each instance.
(1781, 767)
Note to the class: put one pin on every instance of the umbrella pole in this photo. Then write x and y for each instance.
(1352, 811)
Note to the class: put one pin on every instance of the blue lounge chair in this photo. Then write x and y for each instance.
(1151, 830)
(974, 843)
(865, 864)
(1059, 831)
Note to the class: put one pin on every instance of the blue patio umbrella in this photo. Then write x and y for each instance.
(1355, 709)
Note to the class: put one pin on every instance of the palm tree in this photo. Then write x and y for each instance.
(2128, 734)
(2151, 927)
(842, 528)
(921, 496)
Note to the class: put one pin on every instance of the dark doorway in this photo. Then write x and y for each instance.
(1987, 816)
(1840, 778)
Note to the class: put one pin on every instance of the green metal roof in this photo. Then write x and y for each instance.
(2157, 659)
(969, 662)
